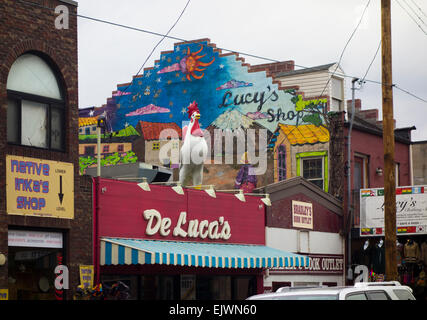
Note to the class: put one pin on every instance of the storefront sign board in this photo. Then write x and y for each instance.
(34, 239)
(302, 215)
(86, 276)
(4, 294)
(127, 211)
(319, 264)
(411, 211)
(38, 187)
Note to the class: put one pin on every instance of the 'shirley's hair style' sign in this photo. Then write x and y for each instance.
(127, 211)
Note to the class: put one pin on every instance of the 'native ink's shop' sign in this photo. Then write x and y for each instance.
(37, 187)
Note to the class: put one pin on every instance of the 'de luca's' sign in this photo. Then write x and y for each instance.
(38, 187)
(126, 211)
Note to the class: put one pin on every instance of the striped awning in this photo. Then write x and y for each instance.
(118, 251)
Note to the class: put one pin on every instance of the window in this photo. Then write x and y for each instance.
(281, 162)
(105, 148)
(313, 166)
(120, 148)
(356, 296)
(312, 170)
(156, 145)
(403, 294)
(360, 172)
(87, 130)
(377, 295)
(337, 94)
(35, 106)
(90, 151)
(397, 173)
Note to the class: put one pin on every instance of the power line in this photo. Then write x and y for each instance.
(155, 47)
(372, 61)
(411, 94)
(407, 12)
(419, 8)
(419, 18)
(223, 49)
(348, 41)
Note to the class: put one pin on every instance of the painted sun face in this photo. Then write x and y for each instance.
(190, 64)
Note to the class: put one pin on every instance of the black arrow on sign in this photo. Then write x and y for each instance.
(60, 194)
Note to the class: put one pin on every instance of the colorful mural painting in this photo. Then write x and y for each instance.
(228, 93)
(219, 83)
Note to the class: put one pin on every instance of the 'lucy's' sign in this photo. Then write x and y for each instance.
(214, 230)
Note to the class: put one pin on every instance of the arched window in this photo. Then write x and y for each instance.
(35, 104)
(281, 162)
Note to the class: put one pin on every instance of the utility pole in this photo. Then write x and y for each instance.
(349, 212)
(388, 141)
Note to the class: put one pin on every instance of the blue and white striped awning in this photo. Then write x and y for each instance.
(118, 251)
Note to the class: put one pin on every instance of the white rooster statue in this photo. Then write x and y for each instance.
(194, 149)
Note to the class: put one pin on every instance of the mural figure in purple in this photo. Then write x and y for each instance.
(245, 179)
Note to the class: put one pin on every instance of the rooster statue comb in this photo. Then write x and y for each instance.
(193, 107)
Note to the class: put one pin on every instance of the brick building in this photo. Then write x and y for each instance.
(45, 205)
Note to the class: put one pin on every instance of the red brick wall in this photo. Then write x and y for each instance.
(279, 215)
(27, 28)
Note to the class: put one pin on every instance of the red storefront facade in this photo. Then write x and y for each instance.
(150, 240)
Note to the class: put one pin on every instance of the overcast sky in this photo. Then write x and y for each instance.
(310, 32)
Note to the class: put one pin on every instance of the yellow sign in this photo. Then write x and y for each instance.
(4, 294)
(37, 187)
(86, 276)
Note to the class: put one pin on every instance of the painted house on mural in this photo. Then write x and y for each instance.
(236, 101)
(116, 147)
(157, 136)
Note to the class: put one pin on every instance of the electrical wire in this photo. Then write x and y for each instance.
(372, 61)
(419, 8)
(419, 18)
(348, 41)
(223, 49)
(413, 19)
(155, 47)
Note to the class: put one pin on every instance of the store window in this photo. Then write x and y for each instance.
(33, 256)
(281, 162)
(35, 104)
(313, 166)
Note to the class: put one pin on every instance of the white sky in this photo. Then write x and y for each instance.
(310, 32)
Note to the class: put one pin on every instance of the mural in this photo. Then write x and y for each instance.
(229, 97)
(219, 83)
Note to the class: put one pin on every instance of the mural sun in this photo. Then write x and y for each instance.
(189, 65)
